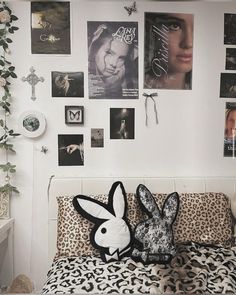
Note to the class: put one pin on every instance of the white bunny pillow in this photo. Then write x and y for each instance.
(111, 233)
(153, 237)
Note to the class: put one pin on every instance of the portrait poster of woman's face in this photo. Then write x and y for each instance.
(168, 51)
(230, 130)
(112, 60)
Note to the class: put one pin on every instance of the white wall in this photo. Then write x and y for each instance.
(188, 141)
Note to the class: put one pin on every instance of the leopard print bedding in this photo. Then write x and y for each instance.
(194, 270)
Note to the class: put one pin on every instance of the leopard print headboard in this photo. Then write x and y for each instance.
(69, 186)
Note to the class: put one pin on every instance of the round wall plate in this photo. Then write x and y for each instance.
(32, 124)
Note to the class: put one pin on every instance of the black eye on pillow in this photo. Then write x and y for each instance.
(153, 237)
(111, 233)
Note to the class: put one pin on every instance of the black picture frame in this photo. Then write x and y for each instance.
(74, 115)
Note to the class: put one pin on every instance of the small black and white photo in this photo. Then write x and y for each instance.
(228, 85)
(97, 137)
(230, 60)
(230, 28)
(122, 123)
(70, 149)
(67, 84)
(74, 115)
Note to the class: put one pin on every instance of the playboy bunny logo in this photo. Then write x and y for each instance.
(154, 237)
(111, 234)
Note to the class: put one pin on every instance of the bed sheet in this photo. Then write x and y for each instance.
(194, 270)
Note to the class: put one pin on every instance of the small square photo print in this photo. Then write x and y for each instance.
(97, 137)
(122, 123)
(67, 84)
(74, 115)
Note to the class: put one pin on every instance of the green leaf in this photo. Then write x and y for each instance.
(8, 40)
(15, 28)
(11, 68)
(13, 17)
(13, 75)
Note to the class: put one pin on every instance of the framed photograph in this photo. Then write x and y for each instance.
(168, 50)
(67, 84)
(97, 137)
(122, 123)
(50, 27)
(74, 115)
(70, 149)
(230, 61)
(230, 28)
(230, 130)
(32, 124)
(228, 85)
(112, 60)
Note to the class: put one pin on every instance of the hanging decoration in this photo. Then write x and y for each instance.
(7, 72)
(131, 9)
(155, 107)
(33, 79)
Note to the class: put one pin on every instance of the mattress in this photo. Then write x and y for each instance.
(194, 269)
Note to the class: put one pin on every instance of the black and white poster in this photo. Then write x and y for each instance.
(113, 60)
(228, 85)
(67, 84)
(50, 27)
(70, 149)
(122, 122)
(230, 28)
(230, 61)
(168, 51)
(230, 130)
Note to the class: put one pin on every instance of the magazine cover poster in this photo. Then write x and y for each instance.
(168, 50)
(50, 27)
(230, 28)
(113, 60)
(230, 130)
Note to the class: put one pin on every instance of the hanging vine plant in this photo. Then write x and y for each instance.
(7, 72)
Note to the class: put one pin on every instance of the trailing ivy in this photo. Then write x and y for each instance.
(7, 73)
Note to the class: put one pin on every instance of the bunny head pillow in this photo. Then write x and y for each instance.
(153, 236)
(111, 233)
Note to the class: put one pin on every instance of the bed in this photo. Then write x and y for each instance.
(205, 258)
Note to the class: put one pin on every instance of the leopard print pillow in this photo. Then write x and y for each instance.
(73, 231)
(203, 218)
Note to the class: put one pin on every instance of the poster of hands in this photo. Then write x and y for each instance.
(112, 60)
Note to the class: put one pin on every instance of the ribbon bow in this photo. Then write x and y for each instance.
(155, 107)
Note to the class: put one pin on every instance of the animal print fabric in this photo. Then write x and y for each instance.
(73, 230)
(194, 270)
(203, 218)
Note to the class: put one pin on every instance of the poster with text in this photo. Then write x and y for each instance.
(113, 60)
(50, 27)
(168, 51)
(230, 130)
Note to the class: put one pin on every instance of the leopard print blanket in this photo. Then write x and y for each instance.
(194, 270)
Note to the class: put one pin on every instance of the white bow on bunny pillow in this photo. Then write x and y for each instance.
(111, 233)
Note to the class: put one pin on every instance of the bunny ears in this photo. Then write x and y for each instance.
(111, 233)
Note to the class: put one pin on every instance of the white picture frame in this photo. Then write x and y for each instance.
(32, 124)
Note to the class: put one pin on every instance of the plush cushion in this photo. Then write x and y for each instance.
(203, 218)
(154, 242)
(73, 230)
(111, 233)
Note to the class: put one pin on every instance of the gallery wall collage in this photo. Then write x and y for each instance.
(113, 60)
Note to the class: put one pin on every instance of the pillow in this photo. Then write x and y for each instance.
(73, 229)
(203, 218)
(153, 236)
(111, 233)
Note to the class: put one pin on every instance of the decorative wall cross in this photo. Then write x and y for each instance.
(33, 79)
